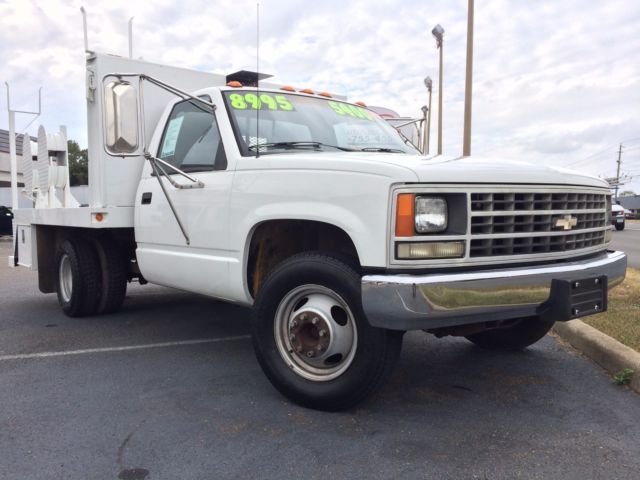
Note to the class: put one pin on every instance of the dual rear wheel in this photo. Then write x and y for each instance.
(91, 276)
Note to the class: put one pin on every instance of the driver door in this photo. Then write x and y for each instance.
(191, 141)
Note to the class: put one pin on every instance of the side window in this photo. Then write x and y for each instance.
(191, 139)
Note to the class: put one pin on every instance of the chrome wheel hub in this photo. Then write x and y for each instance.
(65, 278)
(315, 332)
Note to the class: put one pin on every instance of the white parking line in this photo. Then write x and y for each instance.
(26, 356)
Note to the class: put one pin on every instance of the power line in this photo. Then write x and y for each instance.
(606, 150)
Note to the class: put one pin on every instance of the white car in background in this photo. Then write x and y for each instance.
(617, 216)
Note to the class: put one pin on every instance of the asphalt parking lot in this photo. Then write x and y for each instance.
(628, 240)
(168, 388)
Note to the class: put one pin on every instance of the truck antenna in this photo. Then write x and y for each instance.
(258, 78)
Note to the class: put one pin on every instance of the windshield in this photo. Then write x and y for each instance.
(281, 122)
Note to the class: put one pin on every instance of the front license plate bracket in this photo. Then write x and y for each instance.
(576, 298)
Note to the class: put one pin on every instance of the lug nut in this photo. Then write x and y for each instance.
(303, 316)
(294, 323)
(315, 320)
(310, 353)
(322, 332)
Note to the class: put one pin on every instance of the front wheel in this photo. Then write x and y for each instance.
(620, 226)
(312, 338)
(523, 333)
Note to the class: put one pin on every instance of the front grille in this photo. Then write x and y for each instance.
(490, 247)
(490, 202)
(521, 223)
(532, 223)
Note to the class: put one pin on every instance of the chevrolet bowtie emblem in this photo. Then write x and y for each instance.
(566, 223)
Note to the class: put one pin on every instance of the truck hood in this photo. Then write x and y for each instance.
(436, 169)
(495, 170)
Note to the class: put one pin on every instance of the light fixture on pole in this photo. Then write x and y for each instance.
(438, 33)
(429, 84)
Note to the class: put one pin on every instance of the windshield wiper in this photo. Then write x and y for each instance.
(300, 144)
(381, 149)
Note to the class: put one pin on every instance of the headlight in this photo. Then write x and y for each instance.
(431, 214)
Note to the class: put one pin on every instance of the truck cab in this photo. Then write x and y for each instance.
(312, 210)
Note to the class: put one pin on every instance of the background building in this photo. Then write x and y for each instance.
(5, 162)
(632, 203)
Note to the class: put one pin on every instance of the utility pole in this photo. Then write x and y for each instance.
(438, 33)
(466, 139)
(619, 162)
(429, 84)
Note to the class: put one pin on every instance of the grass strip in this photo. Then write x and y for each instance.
(622, 319)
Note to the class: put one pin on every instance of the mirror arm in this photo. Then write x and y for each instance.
(176, 91)
(408, 123)
(158, 173)
(158, 161)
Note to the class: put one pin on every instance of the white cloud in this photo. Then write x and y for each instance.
(554, 82)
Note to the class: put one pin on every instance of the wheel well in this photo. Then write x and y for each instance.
(276, 240)
(49, 238)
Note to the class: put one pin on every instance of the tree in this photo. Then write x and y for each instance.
(627, 193)
(78, 164)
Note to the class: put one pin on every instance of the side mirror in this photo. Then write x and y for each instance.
(121, 118)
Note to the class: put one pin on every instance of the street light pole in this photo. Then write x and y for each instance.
(466, 139)
(429, 84)
(438, 33)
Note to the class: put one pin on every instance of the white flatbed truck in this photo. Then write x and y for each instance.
(316, 213)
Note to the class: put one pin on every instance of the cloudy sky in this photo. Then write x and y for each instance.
(556, 82)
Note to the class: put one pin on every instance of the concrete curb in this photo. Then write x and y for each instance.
(610, 354)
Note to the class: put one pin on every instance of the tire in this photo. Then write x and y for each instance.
(78, 277)
(303, 296)
(113, 281)
(620, 226)
(516, 337)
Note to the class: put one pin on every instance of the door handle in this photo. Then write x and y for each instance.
(146, 198)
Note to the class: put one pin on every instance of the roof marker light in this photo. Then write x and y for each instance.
(361, 104)
(234, 84)
(325, 94)
(307, 90)
(287, 88)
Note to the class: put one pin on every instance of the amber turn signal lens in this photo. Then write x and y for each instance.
(99, 217)
(234, 84)
(405, 215)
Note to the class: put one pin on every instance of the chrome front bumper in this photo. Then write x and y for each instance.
(417, 302)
